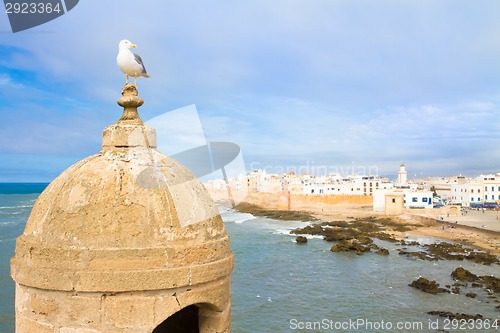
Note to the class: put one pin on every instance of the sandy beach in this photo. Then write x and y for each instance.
(473, 228)
(476, 228)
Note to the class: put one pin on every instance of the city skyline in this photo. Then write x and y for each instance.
(337, 83)
(392, 177)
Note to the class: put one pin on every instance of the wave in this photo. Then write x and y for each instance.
(236, 217)
(16, 207)
(231, 215)
(4, 224)
(287, 232)
(13, 213)
(423, 240)
(6, 240)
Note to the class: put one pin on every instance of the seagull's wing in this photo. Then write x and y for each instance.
(139, 61)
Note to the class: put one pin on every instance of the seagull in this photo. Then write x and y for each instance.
(130, 63)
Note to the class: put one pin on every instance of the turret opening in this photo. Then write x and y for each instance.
(183, 321)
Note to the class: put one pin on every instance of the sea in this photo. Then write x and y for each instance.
(281, 286)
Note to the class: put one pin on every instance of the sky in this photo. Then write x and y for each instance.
(335, 85)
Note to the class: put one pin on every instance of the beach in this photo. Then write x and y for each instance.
(465, 229)
(478, 229)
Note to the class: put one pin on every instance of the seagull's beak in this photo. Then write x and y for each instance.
(133, 45)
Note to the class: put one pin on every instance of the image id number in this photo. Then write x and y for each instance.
(470, 324)
(32, 8)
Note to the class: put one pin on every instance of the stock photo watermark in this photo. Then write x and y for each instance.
(26, 14)
(311, 168)
(361, 324)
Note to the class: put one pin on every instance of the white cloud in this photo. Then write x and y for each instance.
(5, 79)
(290, 80)
(8, 83)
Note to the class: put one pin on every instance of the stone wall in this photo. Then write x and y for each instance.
(47, 311)
(394, 203)
(283, 200)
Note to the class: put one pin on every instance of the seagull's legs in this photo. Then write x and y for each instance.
(135, 80)
(126, 79)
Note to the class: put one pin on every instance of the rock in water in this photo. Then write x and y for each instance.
(461, 274)
(382, 252)
(431, 287)
(455, 316)
(301, 240)
(350, 245)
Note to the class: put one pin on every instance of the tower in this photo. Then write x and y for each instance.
(402, 176)
(124, 241)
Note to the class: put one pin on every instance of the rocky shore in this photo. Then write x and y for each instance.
(484, 288)
(355, 230)
(287, 215)
(357, 236)
(401, 226)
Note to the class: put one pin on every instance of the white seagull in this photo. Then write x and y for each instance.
(130, 63)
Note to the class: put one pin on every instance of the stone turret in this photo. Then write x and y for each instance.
(124, 241)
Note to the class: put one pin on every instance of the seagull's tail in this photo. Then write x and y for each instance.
(146, 75)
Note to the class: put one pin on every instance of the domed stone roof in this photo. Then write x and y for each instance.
(127, 218)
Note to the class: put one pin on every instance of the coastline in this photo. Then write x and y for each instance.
(422, 224)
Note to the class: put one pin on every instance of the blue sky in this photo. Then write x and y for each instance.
(335, 83)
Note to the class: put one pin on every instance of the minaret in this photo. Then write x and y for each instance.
(402, 176)
(127, 240)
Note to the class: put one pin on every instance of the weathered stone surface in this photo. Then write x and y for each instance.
(81, 309)
(122, 240)
(215, 321)
(125, 311)
(120, 135)
(28, 325)
(77, 330)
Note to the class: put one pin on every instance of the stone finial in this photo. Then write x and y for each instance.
(129, 131)
(130, 101)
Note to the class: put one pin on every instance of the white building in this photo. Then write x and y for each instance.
(491, 185)
(459, 194)
(418, 199)
(485, 188)
(412, 198)
(350, 185)
(333, 184)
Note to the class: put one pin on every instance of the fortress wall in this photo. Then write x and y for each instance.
(283, 200)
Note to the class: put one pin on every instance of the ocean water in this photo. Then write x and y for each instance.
(280, 286)
(16, 201)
